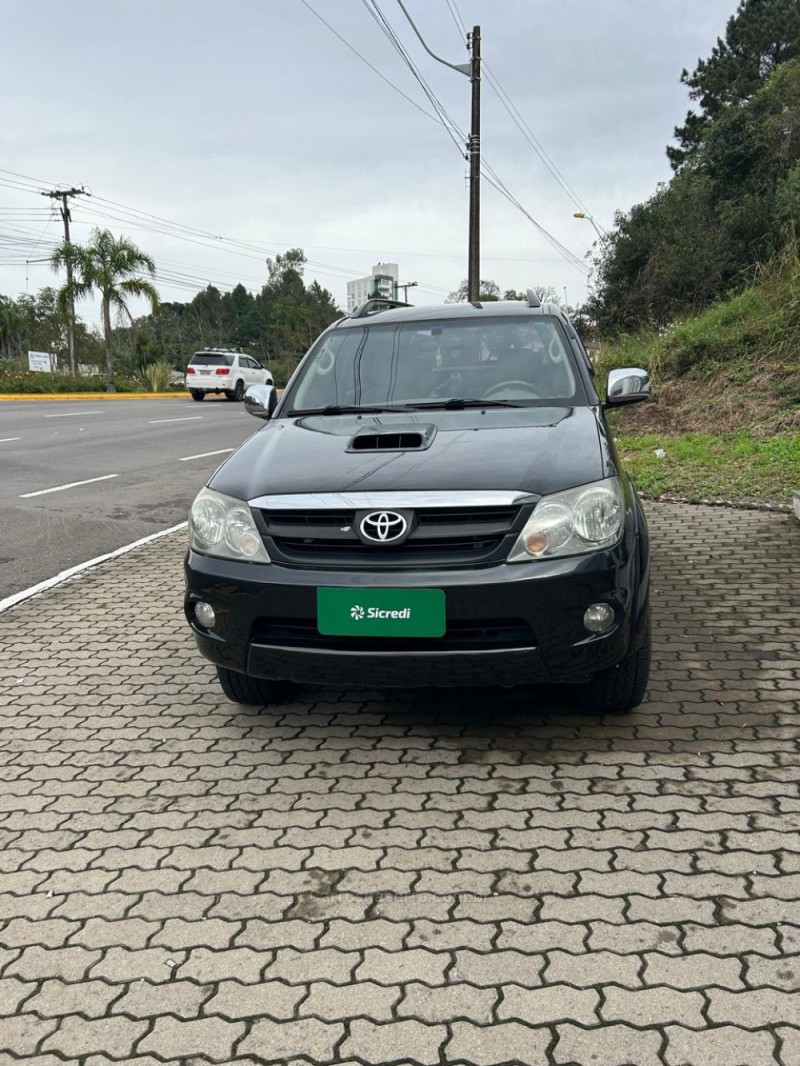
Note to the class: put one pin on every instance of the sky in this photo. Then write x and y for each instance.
(217, 134)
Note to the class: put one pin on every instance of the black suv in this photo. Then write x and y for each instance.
(436, 499)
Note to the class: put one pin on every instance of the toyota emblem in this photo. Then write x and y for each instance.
(383, 527)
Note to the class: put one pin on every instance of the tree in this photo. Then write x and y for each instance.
(762, 35)
(111, 266)
(488, 291)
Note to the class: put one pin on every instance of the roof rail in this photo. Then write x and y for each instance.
(533, 299)
(376, 304)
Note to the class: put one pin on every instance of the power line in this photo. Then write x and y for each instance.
(453, 9)
(364, 60)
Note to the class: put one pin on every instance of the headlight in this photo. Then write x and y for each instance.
(579, 520)
(222, 526)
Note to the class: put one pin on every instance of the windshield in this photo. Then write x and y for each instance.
(207, 359)
(520, 361)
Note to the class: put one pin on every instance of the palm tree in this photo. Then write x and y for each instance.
(112, 266)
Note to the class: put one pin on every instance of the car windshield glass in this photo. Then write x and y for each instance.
(520, 360)
(211, 359)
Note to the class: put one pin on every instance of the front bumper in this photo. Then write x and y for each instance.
(506, 625)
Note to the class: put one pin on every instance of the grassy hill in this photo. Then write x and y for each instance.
(727, 408)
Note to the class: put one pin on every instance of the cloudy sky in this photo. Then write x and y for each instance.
(215, 134)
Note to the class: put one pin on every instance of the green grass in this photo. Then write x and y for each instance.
(733, 467)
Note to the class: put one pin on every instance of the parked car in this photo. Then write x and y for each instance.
(224, 370)
(436, 499)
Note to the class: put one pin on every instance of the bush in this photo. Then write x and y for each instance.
(157, 376)
(36, 382)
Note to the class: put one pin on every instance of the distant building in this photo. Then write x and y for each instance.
(383, 281)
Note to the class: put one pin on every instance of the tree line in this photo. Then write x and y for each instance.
(276, 324)
(733, 202)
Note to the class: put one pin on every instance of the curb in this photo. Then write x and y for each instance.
(178, 394)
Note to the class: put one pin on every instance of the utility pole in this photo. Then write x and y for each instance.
(64, 196)
(474, 267)
(405, 286)
(473, 72)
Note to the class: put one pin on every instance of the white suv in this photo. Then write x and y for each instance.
(224, 370)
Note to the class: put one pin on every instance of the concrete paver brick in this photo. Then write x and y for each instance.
(76, 1037)
(613, 1045)
(51, 933)
(446, 1003)
(355, 936)
(239, 964)
(209, 1038)
(726, 1046)
(542, 936)
(341, 1002)
(552, 1003)
(278, 1041)
(781, 973)
(270, 999)
(23, 1033)
(37, 963)
(503, 1042)
(14, 992)
(303, 967)
(177, 933)
(100, 933)
(144, 999)
(653, 1006)
(497, 968)
(400, 967)
(147, 964)
(593, 968)
(368, 1041)
(55, 998)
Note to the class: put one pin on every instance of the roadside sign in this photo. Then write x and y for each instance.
(40, 361)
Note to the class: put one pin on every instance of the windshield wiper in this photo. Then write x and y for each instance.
(458, 403)
(344, 409)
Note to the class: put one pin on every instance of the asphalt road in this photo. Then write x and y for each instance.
(150, 457)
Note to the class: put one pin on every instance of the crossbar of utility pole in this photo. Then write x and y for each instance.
(64, 195)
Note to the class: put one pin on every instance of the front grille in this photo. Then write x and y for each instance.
(474, 635)
(439, 537)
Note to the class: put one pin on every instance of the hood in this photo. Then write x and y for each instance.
(535, 449)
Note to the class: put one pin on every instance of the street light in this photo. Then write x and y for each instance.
(405, 286)
(582, 214)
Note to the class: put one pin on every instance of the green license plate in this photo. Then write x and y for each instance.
(366, 612)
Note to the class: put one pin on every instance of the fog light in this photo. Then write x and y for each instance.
(204, 613)
(598, 617)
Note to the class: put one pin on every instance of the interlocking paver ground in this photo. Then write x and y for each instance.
(456, 877)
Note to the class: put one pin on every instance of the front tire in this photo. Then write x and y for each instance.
(240, 688)
(197, 394)
(622, 687)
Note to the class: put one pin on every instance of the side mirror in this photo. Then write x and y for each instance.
(628, 385)
(261, 400)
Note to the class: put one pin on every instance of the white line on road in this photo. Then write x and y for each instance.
(71, 485)
(5, 440)
(76, 414)
(185, 418)
(202, 455)
(26, 594)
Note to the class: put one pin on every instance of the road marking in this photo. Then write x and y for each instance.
(42, 586)
(203, 455)
(5, 440)
(185, 418)
(75, 414)
(71, 485)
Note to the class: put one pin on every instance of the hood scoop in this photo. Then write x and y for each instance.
(396, 438)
